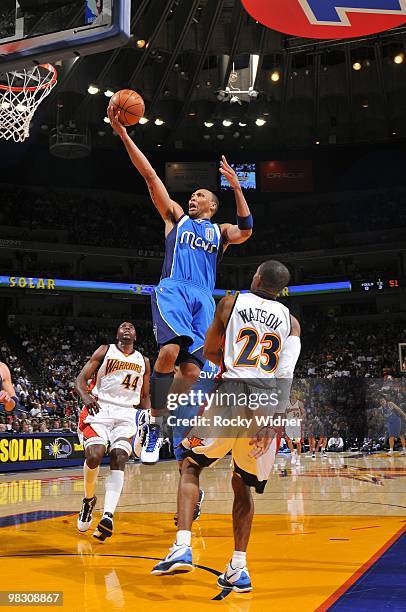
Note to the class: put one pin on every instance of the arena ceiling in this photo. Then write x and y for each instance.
(183, 53)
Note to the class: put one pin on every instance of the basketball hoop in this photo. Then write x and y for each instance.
(21, 92)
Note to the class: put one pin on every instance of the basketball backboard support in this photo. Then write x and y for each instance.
(45, 31)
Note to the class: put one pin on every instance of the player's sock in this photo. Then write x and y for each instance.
(183, 537)
(114, 486)
(90, 477)
(239, 559)
(160, 384)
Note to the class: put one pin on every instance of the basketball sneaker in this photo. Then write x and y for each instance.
(197, 511)
(104, 529)
(235, 579)
(177, 561)
(314, 456)
(85, 514)
(139, 439)
(152, 444)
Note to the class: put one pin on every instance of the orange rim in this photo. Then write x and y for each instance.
(49, 67)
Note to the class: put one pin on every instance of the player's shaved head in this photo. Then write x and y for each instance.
(272, 276)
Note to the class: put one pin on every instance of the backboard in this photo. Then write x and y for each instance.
(38, 31)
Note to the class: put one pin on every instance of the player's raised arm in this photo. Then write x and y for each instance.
(236, 234)
(86, 374)
(167, 208)
(145, 400)
(214, 337)
(7, 392)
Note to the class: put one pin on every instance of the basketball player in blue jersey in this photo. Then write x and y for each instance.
(183, 306)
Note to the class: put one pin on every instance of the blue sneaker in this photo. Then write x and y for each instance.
(237, 580)
(178, 561)
(152, 444)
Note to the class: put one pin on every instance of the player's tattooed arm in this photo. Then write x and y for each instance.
(214, 337)
(145, 391)
(81, 383)
(167, 208)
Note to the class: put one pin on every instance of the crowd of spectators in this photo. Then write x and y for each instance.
(343, 368)
(115, 221)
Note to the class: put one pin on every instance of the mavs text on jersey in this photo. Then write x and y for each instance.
(182, 304)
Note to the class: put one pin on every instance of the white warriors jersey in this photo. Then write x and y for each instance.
(255, 333)
(119, 378)
(293, 410)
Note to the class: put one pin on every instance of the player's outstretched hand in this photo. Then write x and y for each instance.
(115, 123)
(228, 173)
(262, 441)
(92, 405)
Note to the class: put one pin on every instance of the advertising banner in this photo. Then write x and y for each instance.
(32, 451)
(290, 176)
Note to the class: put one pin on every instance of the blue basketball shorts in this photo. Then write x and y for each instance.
(183, 311)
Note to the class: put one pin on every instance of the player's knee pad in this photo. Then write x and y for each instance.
(124, 445)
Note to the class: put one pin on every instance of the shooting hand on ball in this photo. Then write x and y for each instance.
(115, 122)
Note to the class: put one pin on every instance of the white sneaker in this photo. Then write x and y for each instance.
(390, 453)
(85, 515)
(152, 444)
(235, 579)
(139, 439)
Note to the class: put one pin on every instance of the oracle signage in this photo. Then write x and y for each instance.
(328, 18)
(291, 176)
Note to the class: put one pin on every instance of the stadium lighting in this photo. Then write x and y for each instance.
(106, 120)
(275, 76)
(399, 58)
(108, 93)
(357, 66)
(143, 121)
(227, 122)
(208, 124)
(260, 122)
(92, 90)
(317, 142)
(159, 121)
(141, 43)
(242, 124)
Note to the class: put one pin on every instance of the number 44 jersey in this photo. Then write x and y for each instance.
(255, 333)
(119, 378)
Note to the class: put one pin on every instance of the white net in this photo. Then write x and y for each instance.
(21, 92)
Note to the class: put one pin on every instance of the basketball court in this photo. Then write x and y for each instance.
(329, 534)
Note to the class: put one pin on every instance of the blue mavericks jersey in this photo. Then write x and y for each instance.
(193, 248)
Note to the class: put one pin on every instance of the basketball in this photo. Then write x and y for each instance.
(130, 104)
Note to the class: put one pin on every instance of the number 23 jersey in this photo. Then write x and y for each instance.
(119, 378)
(255, 333)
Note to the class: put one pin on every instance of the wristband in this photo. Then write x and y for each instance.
(245, 223)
